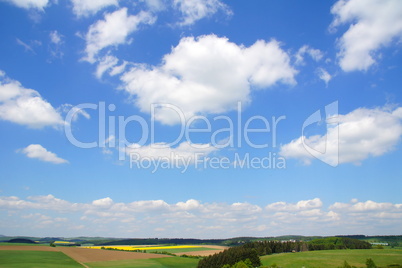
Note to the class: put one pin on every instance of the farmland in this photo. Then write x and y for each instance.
(33, 259)
(179, 250)
(45, 256)
(121, 256)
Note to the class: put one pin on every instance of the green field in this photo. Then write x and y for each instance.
(334, 258)
(174, 262)
(36, 259)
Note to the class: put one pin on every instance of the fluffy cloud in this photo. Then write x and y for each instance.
(207, 74)
(362, 133)
(301, 205)
(366, 207)
(315, 54)
(89, 7)
(104, 202)
(194, 218)
(195, 10)
(25, 106)
(39, 152)
(360, 215)
(37, 4)
(110, 65)
(373, 24)
(113, 31)
(185, 151)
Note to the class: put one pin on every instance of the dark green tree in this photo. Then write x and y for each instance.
(370, 263)
(346, 265)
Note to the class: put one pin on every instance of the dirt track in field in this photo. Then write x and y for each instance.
(217, 247)
(199, 253)
(203, 252)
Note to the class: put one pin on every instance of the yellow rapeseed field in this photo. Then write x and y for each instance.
(141, 247)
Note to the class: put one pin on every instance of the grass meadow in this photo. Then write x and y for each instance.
(334, 258)
(36, 259)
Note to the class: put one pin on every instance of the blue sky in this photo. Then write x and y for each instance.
(205, 119)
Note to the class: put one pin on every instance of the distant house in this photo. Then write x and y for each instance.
(379, 244)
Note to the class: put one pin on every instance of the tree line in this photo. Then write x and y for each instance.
(252, 251)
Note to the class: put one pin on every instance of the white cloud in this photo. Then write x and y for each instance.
(193, 218)
(25, 106)
(301, 205)
(324, 75)
(315, 54)
(109, 64)
(365, 207)
(207, 74)
(362, 133)
(113, 31)
(37, 151)
(55, 37)
(373, 24)
(27, 4)
(90, 7)
(185, 151)
(193, 10)
(104, 202)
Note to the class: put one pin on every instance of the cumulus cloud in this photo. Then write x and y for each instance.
(37, 151)
(109, 64)
(28, 4)
(113, 30)
(362, 214)
(104, 202)
(90, 7)
(363, 133)
(200, 219)
(185, 151)
(373, 24)
(365, 207)
(301, 205)
(315, 54)
(25, 106)
(207, 74)
(195, 10)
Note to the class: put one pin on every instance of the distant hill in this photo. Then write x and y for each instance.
(154, 241)
(392, 240)
(21, 240)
